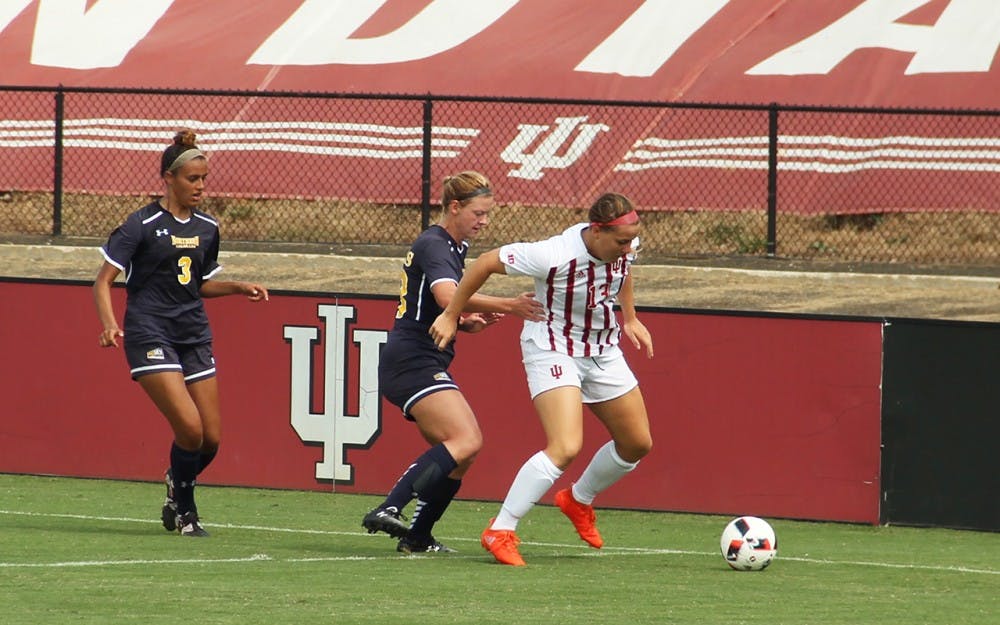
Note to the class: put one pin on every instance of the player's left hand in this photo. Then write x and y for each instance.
(639, 336)
(477, 322)
(255, 292)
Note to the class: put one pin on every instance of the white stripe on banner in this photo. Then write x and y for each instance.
(823, 168)
(318, 138)
(838, 141)
(811, 153)
(822, 154)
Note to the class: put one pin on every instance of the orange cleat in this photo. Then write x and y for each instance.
(582, 516)
(503, 545)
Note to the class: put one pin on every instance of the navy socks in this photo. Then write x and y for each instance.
(421, 478)
(185, 466)
(432, 506)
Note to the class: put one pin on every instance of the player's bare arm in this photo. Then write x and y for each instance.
(634, 330)
(111, 332)
(215, 288)
(445, 327)
(523, 306)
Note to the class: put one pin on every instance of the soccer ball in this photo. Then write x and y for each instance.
(748, 544)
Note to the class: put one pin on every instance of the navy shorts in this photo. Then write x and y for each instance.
(195, 362)
(406, 377)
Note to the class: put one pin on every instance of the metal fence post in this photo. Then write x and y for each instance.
(772, 179)
(425, 174)
(57, 166)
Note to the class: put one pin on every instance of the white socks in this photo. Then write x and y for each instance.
(537, 475)
(533, 480)
(605, 468)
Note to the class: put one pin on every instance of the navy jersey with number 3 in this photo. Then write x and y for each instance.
(165, 262)
(433, 258)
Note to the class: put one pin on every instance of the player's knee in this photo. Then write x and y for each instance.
(563, 453)
(465, 446)
(636, 449)
(463, 467)
(644, 447)
(189, 436)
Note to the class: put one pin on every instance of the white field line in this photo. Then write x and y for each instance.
(260, 557)
(83, 563)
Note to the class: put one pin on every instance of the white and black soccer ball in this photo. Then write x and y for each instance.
(749, 544)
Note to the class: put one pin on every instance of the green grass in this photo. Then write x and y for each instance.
(92, 551)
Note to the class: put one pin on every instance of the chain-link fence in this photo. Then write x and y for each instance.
(839, 184)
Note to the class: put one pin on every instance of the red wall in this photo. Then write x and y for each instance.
(775, 416)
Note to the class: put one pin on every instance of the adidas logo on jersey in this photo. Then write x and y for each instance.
(155, 354)
(442, 376)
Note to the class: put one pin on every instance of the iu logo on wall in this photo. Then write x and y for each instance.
(547, 154)
(333, 427)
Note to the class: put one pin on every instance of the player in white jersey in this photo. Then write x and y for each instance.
(571, 358)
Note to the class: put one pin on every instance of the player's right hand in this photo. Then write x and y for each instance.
(443, 330)
(109, 337)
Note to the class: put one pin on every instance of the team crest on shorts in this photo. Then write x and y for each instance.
(155, 354)
(442, 376)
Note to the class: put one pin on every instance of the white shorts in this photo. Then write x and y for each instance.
(599, 378)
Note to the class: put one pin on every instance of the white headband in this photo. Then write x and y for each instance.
(184, 157)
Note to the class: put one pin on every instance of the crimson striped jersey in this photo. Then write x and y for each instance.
(578, 290)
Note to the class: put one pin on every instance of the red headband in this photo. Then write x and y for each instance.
(629, 218)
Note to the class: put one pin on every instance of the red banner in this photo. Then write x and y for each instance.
(934, 53)
(910, 53)
(744, 419)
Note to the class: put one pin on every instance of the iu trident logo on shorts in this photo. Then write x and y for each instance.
(332, 427)
(556, 371)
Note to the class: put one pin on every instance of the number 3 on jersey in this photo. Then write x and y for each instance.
(403, 284)
(184, 262)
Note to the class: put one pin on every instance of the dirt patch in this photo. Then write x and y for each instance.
(969, 238)
(749, 287)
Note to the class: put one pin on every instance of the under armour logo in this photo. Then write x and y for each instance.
(556, 371)
(544, 156)
(162, 233)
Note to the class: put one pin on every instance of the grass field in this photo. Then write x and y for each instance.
(92, 551)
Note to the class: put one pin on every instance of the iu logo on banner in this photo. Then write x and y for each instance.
(333, 428)
(552, 152)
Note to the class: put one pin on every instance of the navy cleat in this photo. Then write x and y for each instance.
(422, 545)
(385, 520)
(168, 514)
(188, 525)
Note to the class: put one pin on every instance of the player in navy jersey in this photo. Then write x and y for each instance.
(571, 359)
(413, 372)
(169, 252)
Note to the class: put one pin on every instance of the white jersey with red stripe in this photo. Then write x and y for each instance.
(578, 290)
